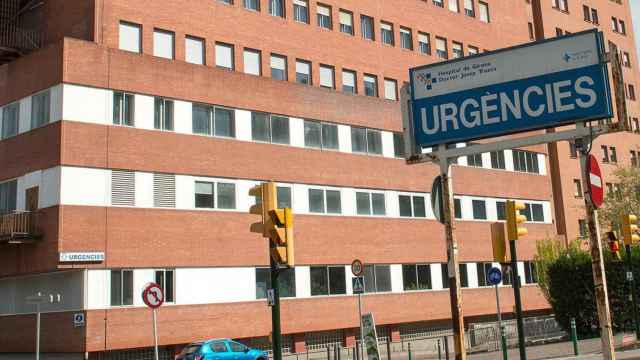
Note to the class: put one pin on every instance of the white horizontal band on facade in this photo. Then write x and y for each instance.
(95, 105)
(95, 187)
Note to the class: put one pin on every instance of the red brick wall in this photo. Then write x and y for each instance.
(58, 334)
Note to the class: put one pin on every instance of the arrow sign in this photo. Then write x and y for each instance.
(358, 285)
(596, 192)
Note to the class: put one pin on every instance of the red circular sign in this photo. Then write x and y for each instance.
(152, 295)
(596, 191)
(357, 267)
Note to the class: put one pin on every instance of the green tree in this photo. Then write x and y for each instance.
(625, 198)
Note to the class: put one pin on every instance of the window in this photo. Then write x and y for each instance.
(237, 347)
(457, 208)
(412, 206)
(324, 16)
(605, 153)
(328, 280)
(252, 5)
(40, 109)
(634, 158)
(286, 282)
(318, 198)
(218, 347)
(224, 56)
(217, 121)
(164, 190)
(130, 38)
(444, 271)
(366, 141)
(327, 76)
(479, 209)
(398, 145)
(590, 15)
(416, 277)
(453, 6)
(349, 81)
(561, 5)
(346, 22)
(497, 160)
(166, 280)
(10, 119)
(533, 212)
(573, 150)
(473, 50)
(276, 8)
(303, 72)
(163, 43)
(626, 59)
(370, 85)
(525, 161)
(438, 3)
(441, 48)
(464, 277)
(482, 270)
(484, 11)
(121, 287)
(390, 89)
(278, 67)
(468, 8)
(228, 2)
(301, 11)
(8, 196)
(204, 195)
(614, 24)
(613, 154)
(320, 135)
(577, 188)
(424, 43)
(163, 115)
(366, 26)
(631, 92)
(474, 160)
(594, 17)
(457, 50)
(194, 50)
(284, 197)
(370, 203)
(386, 33)
(123, 188)
(123, 108)
(377, 278)
(252, 62)
(406, 39)
(270, 128)
(530, 273)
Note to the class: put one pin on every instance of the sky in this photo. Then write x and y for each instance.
(635, 14)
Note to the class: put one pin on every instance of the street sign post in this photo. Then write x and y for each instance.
(153, 297)
(494, 277)
(38, 300)
(358, 288)
(370, 339)
(596, 191)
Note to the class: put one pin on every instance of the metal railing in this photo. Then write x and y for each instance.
(13, 35)
(17, 224)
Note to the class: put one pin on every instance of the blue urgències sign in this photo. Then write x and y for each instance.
(529, 87)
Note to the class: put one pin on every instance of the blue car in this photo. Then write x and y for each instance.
(220, 349)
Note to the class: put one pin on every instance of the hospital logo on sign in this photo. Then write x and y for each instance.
(427, 80)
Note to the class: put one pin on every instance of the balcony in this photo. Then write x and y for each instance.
(18, 227)
(19, 32)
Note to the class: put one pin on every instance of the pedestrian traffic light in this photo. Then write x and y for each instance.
(629, 228)
(498, 243)
(514, 219)
(614, 245)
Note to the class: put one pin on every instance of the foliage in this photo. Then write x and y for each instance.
(624, 200)
(548, 251)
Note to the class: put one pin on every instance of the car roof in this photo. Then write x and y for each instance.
(220, 339)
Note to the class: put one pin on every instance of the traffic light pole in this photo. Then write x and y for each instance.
(632, 287)
(276, 335)
(518, 299)
(597, 263)
(455, 292)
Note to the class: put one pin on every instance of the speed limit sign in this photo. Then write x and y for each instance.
(357, 267)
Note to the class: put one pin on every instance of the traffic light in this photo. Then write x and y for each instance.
(514, 219)
(498, 242)
(614, 245)
(629, 228)
(276, 224)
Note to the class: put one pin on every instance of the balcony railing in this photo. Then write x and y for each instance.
(18, 227)
(16, 37)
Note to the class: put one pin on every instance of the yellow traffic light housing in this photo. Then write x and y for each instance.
(614, 245)
(629, 227)
(514, 219)
(498, 242)
(266, 200)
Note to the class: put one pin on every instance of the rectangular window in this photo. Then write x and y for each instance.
(374, 142)
(121, 287)
(453, 6)
(398, 145)
(525, 161)
(482, 270)
(469, 9)
(123, 109)
(370, 203)
(166, 280)
(390, 89)
(202, 119)
(473, 50)
(270, 128)
(40, 109)
(634, 158)
(8, 196)
(284, 197)
(286, 282)
(163, 42)
(130, 37)
(626, 59)
(530, 273)
(406, 38)
(278, 67)
(605, 153)
(346, 22)
(444, 271)
(123, 188)
(349, 81)
(10, 119)
(594, 17)
(366, 26)
(386, 33)
(457, 208)
(226, 195)
(252, 62)
(252, 5)
(484, 12)
(441, 48)
(474, 160)
(328, 280)
(301, 11)
(613, 154)
(632, 92)
(377, 278)
(497, 160)
(412, 206)
(424, 43)
(318, 198)
(370, 85)
(279, 130)
(416, 277)
(327, 76)
(324, 16)
(320, 135)
(204, 195)
(224, 122)
(457, 50)
(438, 3)
(577, 188)
(194, 50)
(276, 8)
(303, 72)
(501, 209)
(163, 114)
(164, 190)
(479, 209)
(224, 56)
(464, 276)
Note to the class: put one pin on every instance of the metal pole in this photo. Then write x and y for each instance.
(155, 334)
(518, 300)
(446, 348)
(439, 351)
(632, 286)
(574, 336)
(501, 332)
(597, 262)
(361, 329)
(389, 348)
(276, 346)
(455, 292)
(37, 331)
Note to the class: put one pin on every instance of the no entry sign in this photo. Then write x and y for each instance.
(595, 182)
(152, 295)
